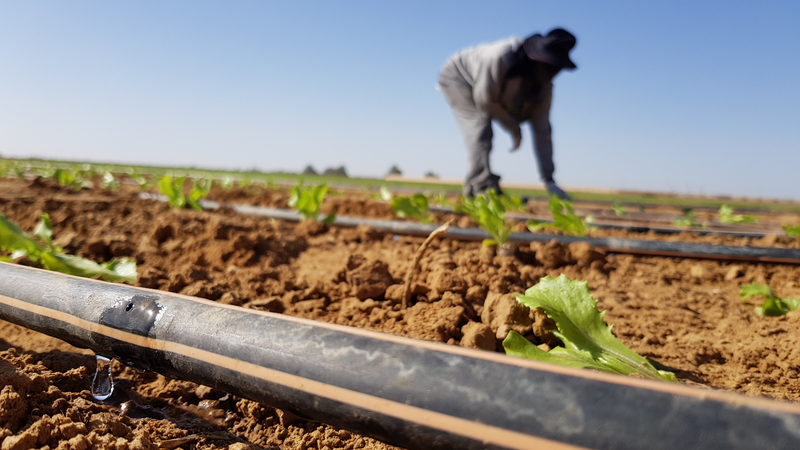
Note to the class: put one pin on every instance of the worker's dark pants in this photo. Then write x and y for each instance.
(476, 127)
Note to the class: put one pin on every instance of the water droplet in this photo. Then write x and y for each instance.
(102, 384)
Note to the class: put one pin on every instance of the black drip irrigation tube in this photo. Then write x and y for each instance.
(412, 393)
(610, 244)
(632, 228)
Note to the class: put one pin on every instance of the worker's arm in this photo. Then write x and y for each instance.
(542, 134)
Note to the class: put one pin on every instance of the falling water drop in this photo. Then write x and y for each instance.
(102, 384)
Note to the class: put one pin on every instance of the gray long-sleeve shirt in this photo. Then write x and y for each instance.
(510, 101)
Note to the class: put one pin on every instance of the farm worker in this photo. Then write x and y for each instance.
(511, 82)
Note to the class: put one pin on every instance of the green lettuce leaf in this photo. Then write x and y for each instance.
(114, 270)
(308, 200)
(172, 188)
(564, 219)
(773, 305)
(588, 341)
(490, 213)
(13, 239)
(792, 230)
(414, 207)
(726, 215)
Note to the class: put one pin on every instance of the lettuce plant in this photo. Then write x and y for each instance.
(490, 213)
(619, 210)
(40, 249)
(792, 230)
(414, 207)
(200, 189)
(588, 340)
(69, 178)
(109, 181)
(172, 188)
(689, 219)
(773, 305)
(307, 200)
(726, 215)
(564, 219)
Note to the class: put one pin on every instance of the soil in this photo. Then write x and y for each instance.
(685, 314)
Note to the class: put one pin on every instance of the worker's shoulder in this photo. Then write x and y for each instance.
(498, 47)
(494, 48)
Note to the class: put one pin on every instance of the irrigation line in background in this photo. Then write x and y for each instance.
(407, 392)
(612, 245)
(522, 217)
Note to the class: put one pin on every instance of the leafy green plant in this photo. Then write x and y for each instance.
(140, 180)
(200, 189)
(689, 220)
(588, 340)
(226, 183)
(726, 215)
(384, 194)
(619, 210)
(172, 188)
(69, 178)
(773, 305)
(40, 249)
(792, 230)
(109, 181)
(308, 201)
(490, 213)
(440, 199)
(413, 207)
(564, 219)
(512, 203)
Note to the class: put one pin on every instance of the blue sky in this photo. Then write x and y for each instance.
(680, 96)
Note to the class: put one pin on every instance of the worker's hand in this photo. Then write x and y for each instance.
(516, 138)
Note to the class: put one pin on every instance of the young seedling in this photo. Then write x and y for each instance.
(140, 180)
(440, 199)
(384, 194)
(308, 201)
(414, 207)
(619, 210)
(69, 178)
(490, 213)
(172, 188)
(39, 249)
(726, 215)
(564, 219)
(773, 305)
(226, 183)
(200, 189)
(109, 182)
(588, 340)
(792, 230)
(689, 220)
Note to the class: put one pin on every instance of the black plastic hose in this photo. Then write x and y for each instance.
(614, 245)
(412, 393)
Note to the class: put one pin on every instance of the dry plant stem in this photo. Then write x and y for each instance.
(417, 257)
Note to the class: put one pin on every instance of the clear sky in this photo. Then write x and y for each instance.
(681, 96)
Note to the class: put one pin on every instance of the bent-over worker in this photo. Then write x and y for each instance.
(510, 81)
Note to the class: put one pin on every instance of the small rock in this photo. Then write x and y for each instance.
(503, 313)
(476, 293)
(478, 335)
(585, 254)
(697, 271)
(734, 272)
(553, 255)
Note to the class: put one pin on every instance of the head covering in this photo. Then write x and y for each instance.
(551, 49)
